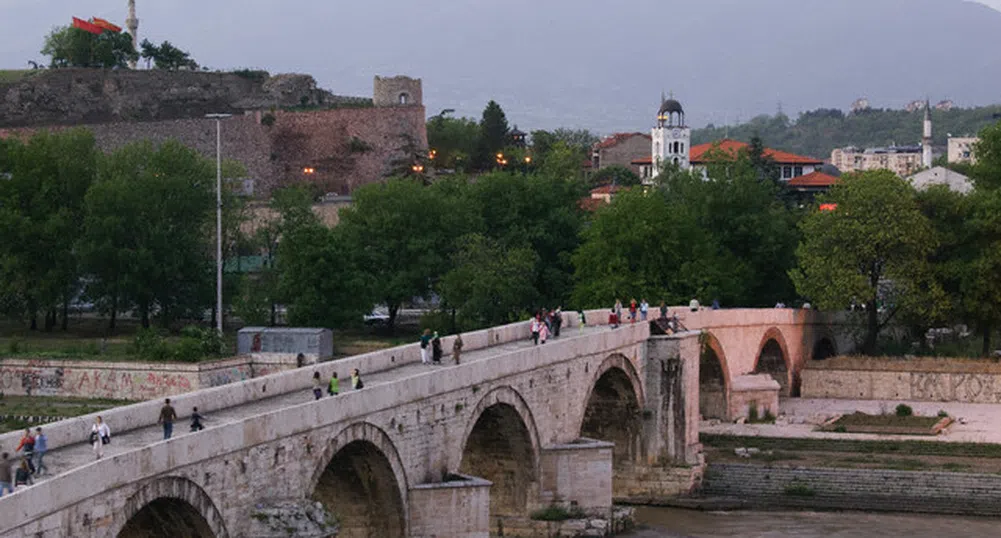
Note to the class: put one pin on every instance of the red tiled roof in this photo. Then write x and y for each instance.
(813, 179)
(697, 155)
(591, 204)
(616, 139)
(608, 189)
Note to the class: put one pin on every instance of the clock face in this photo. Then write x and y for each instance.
(676, 133)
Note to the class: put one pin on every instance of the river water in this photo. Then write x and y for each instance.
(676, 523)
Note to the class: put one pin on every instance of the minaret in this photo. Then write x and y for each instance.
(926, 140)
(132, 23)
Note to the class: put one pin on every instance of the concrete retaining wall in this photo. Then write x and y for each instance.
(931, 386)
(132, 380)
(856, 489)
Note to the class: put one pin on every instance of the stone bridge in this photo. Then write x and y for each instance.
(455, 450)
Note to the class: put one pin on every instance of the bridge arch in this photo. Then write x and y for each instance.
(361, 479)
(169, 507)
(612, 412)
(714, 379)
(501, 444)
(824, 347)
(773, 359)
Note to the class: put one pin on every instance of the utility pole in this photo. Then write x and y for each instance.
(218, 217)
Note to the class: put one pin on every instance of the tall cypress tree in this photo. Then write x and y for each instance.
(494, 133)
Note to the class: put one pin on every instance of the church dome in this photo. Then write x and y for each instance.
(670, 106)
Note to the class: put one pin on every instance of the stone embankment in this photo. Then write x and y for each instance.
(619, 521)
(912, 379)
(763, 486)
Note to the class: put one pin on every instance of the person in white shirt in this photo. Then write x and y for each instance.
(100, 435)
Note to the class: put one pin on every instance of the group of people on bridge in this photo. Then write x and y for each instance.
(32, 448)
(333, 386)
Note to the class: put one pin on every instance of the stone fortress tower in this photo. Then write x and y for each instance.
(397, 91)
(132, 23)
(926, 141)
(672, 138)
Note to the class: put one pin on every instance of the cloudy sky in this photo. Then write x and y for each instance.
(581, 63)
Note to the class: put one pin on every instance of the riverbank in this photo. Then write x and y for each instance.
(678, 523)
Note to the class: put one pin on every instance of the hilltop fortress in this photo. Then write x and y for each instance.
(284, 129)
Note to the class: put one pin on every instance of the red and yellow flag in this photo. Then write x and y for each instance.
(106, 25)
(86, 26)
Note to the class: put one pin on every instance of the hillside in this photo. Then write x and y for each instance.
(818, 132)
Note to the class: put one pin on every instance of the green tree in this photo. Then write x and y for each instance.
(537, 211)
(987, 171)
(487, 283)
(166, 56)
(403, 234)
(72, 47)
(723, 237)
(454, 141)
(41, 206)
(155, 256)
(639, 247)
(967, 261)
(615, 174)
(320, 279)
(871, 249)
(290, 210)
(764, 166)
(494, 135)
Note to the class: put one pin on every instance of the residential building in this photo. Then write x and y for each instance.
(960, 149)
(790, 165)
(620, 149)
(941, 175)
(901, 160)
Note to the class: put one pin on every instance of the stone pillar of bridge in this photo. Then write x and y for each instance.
(671, 459)
(457, 507)
(578, 474)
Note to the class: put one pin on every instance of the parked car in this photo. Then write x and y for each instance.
(378, 317)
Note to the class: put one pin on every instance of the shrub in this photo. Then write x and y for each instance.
(942, 413)
(799, 489)
(357, 145)
(268, 119)
(555, 512)
(14, 346)
(149, 345)
(904, 410)
(752, 412)
(256, 75)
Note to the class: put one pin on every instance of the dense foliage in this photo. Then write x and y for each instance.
(165, 56)
(73, 47)
(818, 132)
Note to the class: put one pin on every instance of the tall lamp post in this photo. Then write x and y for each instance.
(218, 217)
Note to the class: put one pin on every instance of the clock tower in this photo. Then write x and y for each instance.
(671, 137)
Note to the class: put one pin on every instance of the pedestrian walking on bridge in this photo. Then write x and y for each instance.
(41, 447)
(334, 387)
(457, 348)
(27, 449)
(317, 386)
(196, 420)
(356, 382)
(167, 416)
(6, 477)
(100, 435)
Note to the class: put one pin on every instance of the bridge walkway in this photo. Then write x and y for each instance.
(67, 458)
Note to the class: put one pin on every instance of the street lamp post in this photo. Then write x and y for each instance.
(218, 217)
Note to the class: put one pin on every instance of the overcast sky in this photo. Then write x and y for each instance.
(580, 63)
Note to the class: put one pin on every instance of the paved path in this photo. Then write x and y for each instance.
(69, 457)
(976, 423)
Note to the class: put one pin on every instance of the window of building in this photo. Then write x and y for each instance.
(682, 146)
(404, 98)
(786, 172)
(797, 171)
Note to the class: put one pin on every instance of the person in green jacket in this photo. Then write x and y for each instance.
(335, 385)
